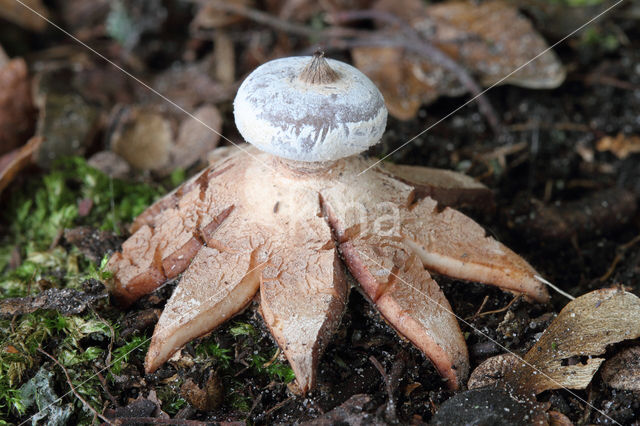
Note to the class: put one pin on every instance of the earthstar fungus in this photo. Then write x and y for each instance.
(285, 215)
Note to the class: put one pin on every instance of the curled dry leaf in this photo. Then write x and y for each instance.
(209, 17)
(623, 370)
(18, 159)
(195, 137)
(224, 58)
(16, 107)
(564, 357)
(193, 84)
(556, 418)
(492, 371)
(205, 397)
(144, 137)
(15, 12)
(471, 33)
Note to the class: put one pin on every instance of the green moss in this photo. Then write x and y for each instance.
(274, 369)
(137, 346)
(20, 342)
(599, 38)
(36, 217)
(38, 214)
(213, 350)
(242, 329)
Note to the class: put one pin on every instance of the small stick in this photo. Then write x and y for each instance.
(618, 258)
(113, 336)
(105, 387)
(497, 311)
(484, 302)
(390, 410)
(73, 389)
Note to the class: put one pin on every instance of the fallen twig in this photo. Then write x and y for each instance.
(73, 389)
(390, 409)
(619, 256)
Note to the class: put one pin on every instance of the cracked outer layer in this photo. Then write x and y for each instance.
(250, 223)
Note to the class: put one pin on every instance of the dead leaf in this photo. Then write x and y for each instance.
(359, 409)
(492, 371)
(143, 137)
(192, 85)
(196, 137)
(17, 114)
(471, 33)
(92, 242)
(209, 17)
(623, 370)
(597, 213)
(20, 15)
(18, 159)
(621, 146)
(564, 357)
(486, 407)
(556, 418)
(205, 398)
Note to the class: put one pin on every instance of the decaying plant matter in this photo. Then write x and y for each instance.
(283, 223)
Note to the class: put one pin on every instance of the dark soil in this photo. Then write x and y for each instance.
(551, 168)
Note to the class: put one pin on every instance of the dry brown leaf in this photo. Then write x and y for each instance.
(196, 139)
(192, 84)
(15, 12)
(16, 107)
(621, 146)
(623, 370)
(142, 137)
(556, 418)
(393, 72)
(564, 357)
(146, 139)
(491, 371)
(18, 159)
(473, 34)
(209, 17)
